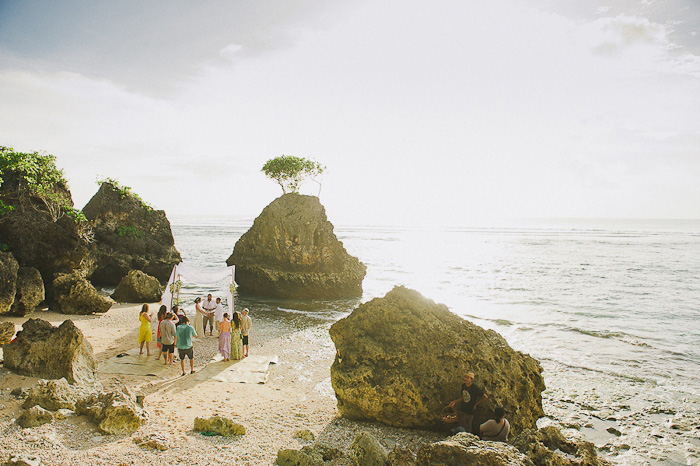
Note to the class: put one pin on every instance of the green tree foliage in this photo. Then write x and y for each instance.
(36, 175)
(290, 172)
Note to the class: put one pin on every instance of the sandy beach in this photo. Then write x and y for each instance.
(297, 395)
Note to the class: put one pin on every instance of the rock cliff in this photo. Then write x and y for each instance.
(401, 358)
(291, 251)
(129, 235)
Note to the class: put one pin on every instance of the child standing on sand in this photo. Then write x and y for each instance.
(225, 337)
(183, 342)
(145, 331)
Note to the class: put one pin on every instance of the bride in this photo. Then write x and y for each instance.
(199, 318)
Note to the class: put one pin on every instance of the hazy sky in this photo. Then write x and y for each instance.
(444, 112)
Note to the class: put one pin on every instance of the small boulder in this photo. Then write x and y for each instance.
(7, 331)
(153, 442)
(34, 417)
(114, 412)
(42, 350)
(546, 445)
(316, 455)
(30, 291)
(401, 358)
(138, 287)
(292, 252)
(304, 434)
(219, 425)
(23, 460)
(8, 281)
(367, 451)
(75, 295)
(467, 450)
(53, 395)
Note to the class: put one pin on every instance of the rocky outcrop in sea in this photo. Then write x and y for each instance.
(291, 251)
(401, 359)
(129, 235)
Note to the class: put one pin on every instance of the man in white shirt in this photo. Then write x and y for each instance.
(246, 323)
(209, 305)
(218, 313)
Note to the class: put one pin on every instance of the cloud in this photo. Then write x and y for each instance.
(622, 32)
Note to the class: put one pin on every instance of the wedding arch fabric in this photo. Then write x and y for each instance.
(206, 276)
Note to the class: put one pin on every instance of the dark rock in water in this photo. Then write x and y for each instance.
(545, 446)
(138, 287)
(75, 295)
(7, 331)
(114, 412)
(292, 252)
(466, 449)
(129, 235)
(30, 291)
(42, 350)
(38, 239)
(401, 359)
(34, 417)
(8, 281)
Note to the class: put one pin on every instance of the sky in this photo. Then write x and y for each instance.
(443, 113)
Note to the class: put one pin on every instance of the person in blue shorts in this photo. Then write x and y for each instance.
(183, 342)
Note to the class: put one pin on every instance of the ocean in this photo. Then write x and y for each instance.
(610, 308)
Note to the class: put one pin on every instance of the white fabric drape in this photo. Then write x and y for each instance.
(207, 276)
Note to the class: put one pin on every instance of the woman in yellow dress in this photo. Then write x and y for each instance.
(145, 331)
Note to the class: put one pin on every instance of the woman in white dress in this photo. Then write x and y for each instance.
(199, 318)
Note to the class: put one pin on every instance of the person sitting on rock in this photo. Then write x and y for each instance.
(496, 429)
(472, 396)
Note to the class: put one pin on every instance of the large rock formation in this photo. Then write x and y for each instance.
(8, 281)
(76, 295)
(401, 358)
(292, 252)
(30, 291)
(42, 350)
(129, 235)
(138, 287)
(40, 236)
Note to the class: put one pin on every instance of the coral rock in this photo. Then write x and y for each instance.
(292, 252)
(114, 412)
(35, 417)
(401, 358)
(7, 331)
(30, 291)
(466, 449)
(138, 287)
(75, 295)
(42, 350)
(219, 425)
(8, 281)
(366, 450)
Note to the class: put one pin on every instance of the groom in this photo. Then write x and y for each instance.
(209, 305)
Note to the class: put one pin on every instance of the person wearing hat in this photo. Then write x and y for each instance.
(496, 429)
(472, 396)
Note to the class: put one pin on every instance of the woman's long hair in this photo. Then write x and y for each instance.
(162, 311)
(144, 308)
(236, 319)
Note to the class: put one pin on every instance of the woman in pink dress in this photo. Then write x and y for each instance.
(225, 338)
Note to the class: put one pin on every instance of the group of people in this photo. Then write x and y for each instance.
(495, 429)
(175, 331)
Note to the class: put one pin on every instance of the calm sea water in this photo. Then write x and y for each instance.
(610, 308)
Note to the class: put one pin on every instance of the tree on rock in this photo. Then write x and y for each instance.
(290, 172)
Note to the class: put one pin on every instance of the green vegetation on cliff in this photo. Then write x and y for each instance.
(125, 192)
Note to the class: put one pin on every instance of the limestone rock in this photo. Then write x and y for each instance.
(545, 446)
(153, 441)
(467, 450)
(138, 287)
(52, 395)
(304, 434)
(401, 358)
(316, 455)
(42, 350)
(114, 412)
(30, 291)
(292, 252)
(50, 244)
(367, 451)
(23, 460)
(62, 414)
(8, 281)
(7, 331)
(75, 295)
(35, 417)
(129, 235)
(220, 425)
(401, 457)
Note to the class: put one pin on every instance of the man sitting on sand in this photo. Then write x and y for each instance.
(183, 341)
(472, 396)
(495, 429)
